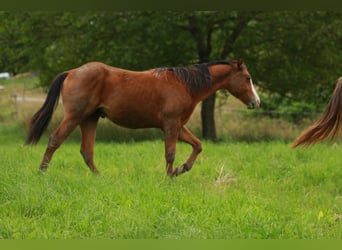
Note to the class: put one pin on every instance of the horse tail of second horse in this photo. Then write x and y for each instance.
(42, 118)
(328, 125)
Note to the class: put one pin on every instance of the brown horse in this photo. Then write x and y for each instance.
(158, 98)
(328, 125)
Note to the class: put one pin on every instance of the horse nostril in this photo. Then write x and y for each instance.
(251, 105)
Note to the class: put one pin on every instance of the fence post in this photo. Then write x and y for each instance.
(15, 113)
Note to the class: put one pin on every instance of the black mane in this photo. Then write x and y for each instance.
(196, 77)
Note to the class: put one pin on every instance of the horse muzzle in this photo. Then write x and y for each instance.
(253, 104)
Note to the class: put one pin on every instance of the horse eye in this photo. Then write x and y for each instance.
(248, 78)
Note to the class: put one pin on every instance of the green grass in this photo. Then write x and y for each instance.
(250, 185)
(236, 190)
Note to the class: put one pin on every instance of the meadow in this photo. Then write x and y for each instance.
(254, 188)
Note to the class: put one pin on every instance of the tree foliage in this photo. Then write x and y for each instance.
(214, 34)
(294, 56)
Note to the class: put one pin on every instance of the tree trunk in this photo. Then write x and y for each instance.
(202, 33)
(208, 119)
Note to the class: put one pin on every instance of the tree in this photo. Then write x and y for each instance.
(13, 56)
(215, 34)
(295, 55)
(134, 40)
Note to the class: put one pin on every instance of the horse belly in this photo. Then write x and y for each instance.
(133, 118)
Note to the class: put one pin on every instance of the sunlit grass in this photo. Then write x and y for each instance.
(248, 185)
(235, 191)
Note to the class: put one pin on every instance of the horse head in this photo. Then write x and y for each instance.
(240, 85)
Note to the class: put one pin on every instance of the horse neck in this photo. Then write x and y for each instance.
(219, 74)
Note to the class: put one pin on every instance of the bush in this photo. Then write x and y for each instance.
(276, 106)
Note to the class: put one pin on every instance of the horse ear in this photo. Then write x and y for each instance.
(239, 63)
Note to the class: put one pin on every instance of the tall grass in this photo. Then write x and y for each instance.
(235, 191)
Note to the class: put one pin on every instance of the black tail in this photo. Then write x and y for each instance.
(42, 118)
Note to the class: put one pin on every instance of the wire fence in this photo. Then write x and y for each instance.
(9, 107)
(233, 122)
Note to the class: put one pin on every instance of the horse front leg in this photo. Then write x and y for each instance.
(88, 131)
(170, 153)
(186, 136)
(171, 132)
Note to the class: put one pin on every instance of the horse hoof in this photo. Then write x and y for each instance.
(182, 169)
(95, 172)
(185, 168)
(43, 169)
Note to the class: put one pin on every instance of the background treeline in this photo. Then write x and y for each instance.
(293, 56)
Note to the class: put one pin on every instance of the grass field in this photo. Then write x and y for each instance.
(235, 191)
(254, 188)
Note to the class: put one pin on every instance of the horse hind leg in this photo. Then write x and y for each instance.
(88, 132)
(56, 139)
